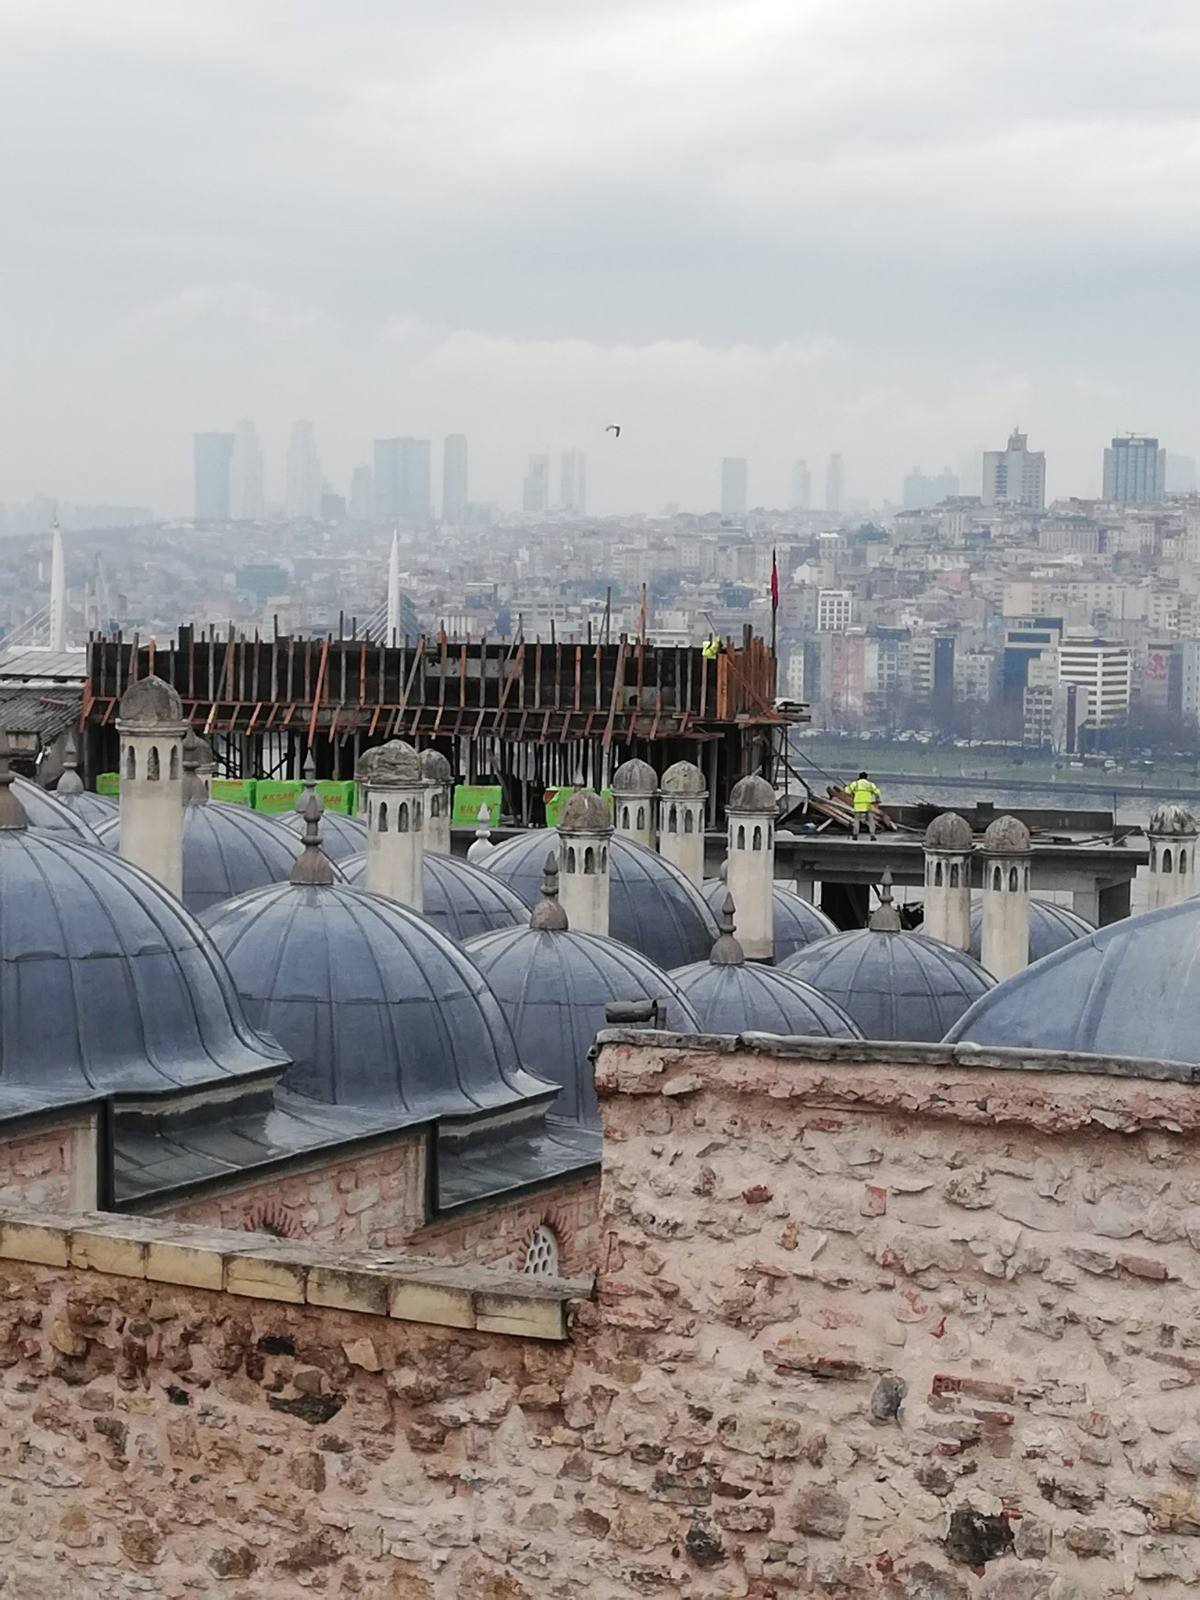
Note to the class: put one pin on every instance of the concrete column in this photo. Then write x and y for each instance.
(634, 786)
(1172, 837)
(948, 846)
(681, 812)
(396, 800)
(585, 834)
(750, 868)
(1006, 857)
(440, 778)
(152, 729)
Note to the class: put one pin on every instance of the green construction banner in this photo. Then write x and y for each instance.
(469, 798)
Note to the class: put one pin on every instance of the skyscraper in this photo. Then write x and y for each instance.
(1135, 470)
(454, 478)
(362, 493)
(572, 481)
(402, 480)
(1016, 474)
(734, 476)
(801, 486)
(247, 499)
(303, 473)
(213, 464)
(835, 483)
(535, 491)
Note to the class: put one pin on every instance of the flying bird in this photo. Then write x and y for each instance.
(614, 427)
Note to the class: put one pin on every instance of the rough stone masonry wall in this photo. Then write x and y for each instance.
(52, 1168)
(498, 1235)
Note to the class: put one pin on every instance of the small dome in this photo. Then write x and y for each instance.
(461, 901)
(393, 765)
(1050, 928)
(652, 907)
(341, 836)
(585, 812)
(634, 777)
(752, 794)
(374, 1007)
(1006, 837)
(435, 768)
(107, 983)
(226, 851)
(90, 809)
(150, 703)
(893, 985)
(48, 814)
(950, 833)
(1129, 989)
(797, 921)
(749, 998)
(683, 779)
(1171, 819)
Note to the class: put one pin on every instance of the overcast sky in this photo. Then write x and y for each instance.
(772, 228)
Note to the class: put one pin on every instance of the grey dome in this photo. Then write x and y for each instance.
(585, 812)
(652, 906)
(378, 1010)
(745, 997)
(797, 921)
(1130, 989)
(1007, 836)
(435, 768)
(151, 702)
(634, 777)
(683, 779)
(752, 794)
(1050, 928)
(461, 901)
(48, 814)
(91, 809)
(226, 851)
(1171, 819)
(393, 765)
(106, 983)
(951, 833)
(893, 985)
(341, 836)
(553, 986)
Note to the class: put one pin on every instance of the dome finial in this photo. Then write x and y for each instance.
(312, 865)
(548, 914)
(12, 812)
(70, 782)
(885, 918)
(309, 780)
(481, 847)
(194, 791)
(727, 952)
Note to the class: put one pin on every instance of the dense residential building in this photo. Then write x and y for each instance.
(1104, 668)
(1135, 470)
(1015, 474)
(835, 609)
(402, 480)
(213, 467)
(734, 476)
(922, 490)
(455, 486)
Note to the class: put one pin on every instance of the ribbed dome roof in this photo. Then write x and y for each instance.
(106, 982)
(652, 906)
(48, 814)
(461, 901)
(90, 809)
(894, 985)
(1130, 989)
(553, 985)
(341, 836)
(1050, 928)
(226, 851)
(751, 998)
(377, 1008)
(797, 921)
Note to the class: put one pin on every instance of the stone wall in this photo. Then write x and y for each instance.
(51, 1167)
(499, 1235)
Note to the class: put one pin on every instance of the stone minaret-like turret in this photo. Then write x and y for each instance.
(585, 833)
(396, 799)
(152, 729)
(440, 778)
(1172, 837)
(681, 802)
(634, 785)
(750, 869)
(1006, 857)
(948, 846)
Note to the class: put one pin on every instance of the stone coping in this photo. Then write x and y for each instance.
(376, 1283)
(900, 1053)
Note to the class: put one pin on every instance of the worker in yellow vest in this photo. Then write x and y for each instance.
(865, 798)
(711, 647)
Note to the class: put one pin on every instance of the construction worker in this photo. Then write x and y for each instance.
(711, 647)
(865, 798)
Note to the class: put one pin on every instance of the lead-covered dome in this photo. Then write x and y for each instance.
(1050, 928)
(341, 836)
(460, 901)
(554, 984)
(80, 802)
(1130, 989)
(48, 814)
(652, 906)
(227, 850)
(1172, 820)
(796, 921)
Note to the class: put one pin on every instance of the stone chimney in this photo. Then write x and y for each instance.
(948, 846)
(681, 812)
(1006, 857)
(1172, 836)
(439, 777)
(396, 799)
(585, 833)
(152, 729)
(634, 785)
(750, 870)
